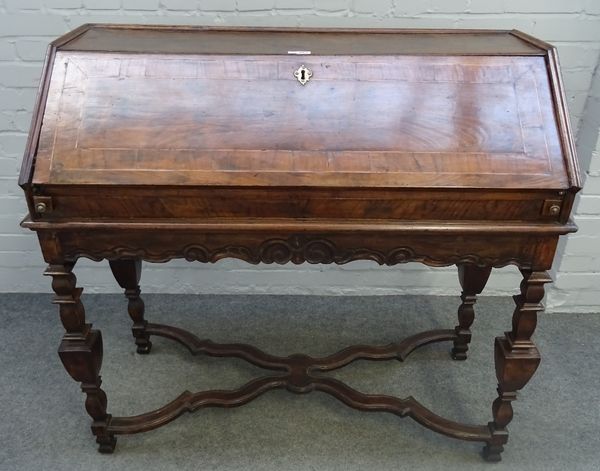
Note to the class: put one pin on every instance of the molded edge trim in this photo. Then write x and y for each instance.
(309, 226)
(27, 164)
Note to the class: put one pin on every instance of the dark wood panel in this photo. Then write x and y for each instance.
(255, 203)
(205, 40)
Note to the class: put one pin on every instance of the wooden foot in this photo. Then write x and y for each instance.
(128, 273)
(472, 280)
(516, 358)
(81, 351)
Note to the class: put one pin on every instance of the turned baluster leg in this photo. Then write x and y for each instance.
(472, 280)
(81, 351)
(127, 273)
(516, 358)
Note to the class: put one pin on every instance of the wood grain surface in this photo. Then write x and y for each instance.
(248, 41)
(399, 121)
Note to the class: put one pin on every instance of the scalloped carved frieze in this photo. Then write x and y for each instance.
(296, 249)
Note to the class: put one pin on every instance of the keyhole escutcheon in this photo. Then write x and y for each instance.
(303, 74)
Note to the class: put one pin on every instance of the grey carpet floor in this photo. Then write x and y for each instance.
(43, 424)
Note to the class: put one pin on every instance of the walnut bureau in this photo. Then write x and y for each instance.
(445, 147)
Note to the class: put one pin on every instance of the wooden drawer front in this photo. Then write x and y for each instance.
(231, 203)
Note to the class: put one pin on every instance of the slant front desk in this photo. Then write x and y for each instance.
(320, 146)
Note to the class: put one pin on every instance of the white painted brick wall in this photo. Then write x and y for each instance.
(577, 284)
(26, 26)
